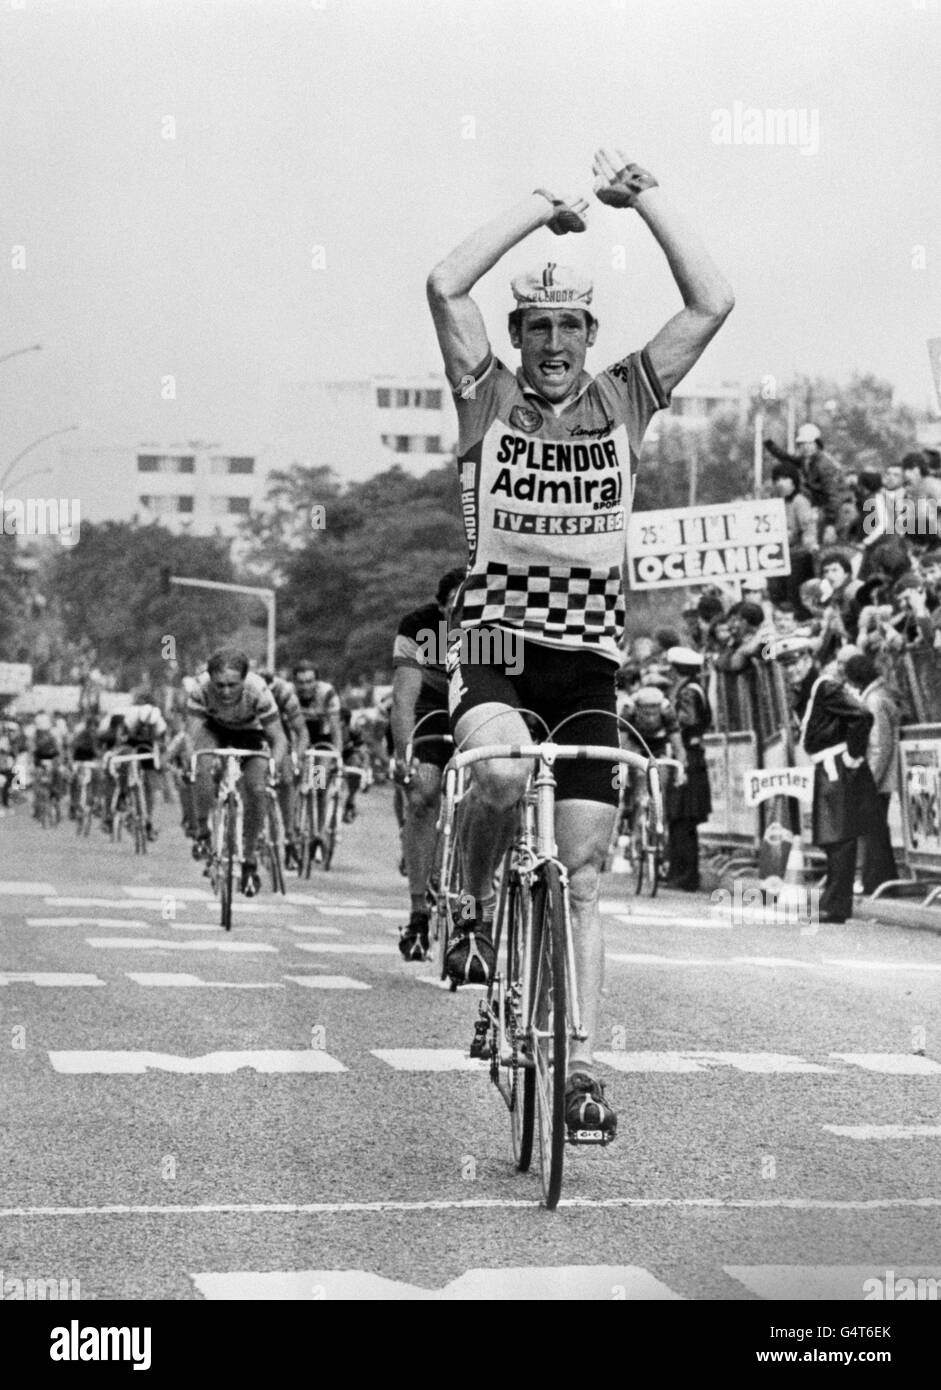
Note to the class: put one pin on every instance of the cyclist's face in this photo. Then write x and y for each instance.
(553, 344)
(228, 685)
(305, 684)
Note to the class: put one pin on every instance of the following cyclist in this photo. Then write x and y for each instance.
(231, 707)
(295, 732)
(547, 457)
(420, 695)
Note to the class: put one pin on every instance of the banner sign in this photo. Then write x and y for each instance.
(62, 699)
(920, 794)
(15, 677)
(697, 545)
(761, 783)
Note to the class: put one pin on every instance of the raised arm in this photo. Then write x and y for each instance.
(458, 321)
(707, 296)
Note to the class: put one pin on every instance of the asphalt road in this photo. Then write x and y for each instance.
(289, 1111)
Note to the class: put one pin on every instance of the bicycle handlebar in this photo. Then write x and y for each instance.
(551, 752)
(227, 753)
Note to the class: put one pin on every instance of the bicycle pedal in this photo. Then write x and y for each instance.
(588, 1136)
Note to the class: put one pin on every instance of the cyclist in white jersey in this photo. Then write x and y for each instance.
(547, 458)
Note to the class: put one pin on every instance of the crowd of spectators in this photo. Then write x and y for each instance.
(865, 550)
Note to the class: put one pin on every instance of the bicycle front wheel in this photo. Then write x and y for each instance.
(138, 819)
(330, 819)
(548, 1027)
(229, 862)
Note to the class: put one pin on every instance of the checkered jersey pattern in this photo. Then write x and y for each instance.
(560, 603)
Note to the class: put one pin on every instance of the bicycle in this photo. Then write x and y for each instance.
(46, 805)
(129, 806)
(271, 839)
(316, 824)
(226, 847)
(531, 1011)
(641, 823)
(88, 796)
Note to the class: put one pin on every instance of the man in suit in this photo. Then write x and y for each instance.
(689, 802)
(864, 677)
(834, 733)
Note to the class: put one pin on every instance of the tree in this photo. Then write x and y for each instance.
(108, 591)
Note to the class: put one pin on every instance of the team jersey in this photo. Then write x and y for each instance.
(255, 708)
(421, 637)
(285, 697)
(545, 498)
(319, 710)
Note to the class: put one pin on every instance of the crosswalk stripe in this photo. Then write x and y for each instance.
(386, 913)
(353, 948)
(133, 890)
(769, 962)
(631, 919)
(314, 931)
(878, 965)
(327, 982)
(560, 1283)
(130, 904)
(694, 1060)
(211, 1063)
(136, 943)
(21, 888)
(428, 1059)
(885, 1131)
(444, 984)
(156, 979)
(842, 1283)
(891, 1063)
(44, 979)
(83, 922)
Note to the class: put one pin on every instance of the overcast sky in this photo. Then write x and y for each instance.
(383, 131)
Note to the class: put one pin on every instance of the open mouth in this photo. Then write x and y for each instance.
(554, 370)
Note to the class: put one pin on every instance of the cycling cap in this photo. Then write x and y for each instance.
(808, 434)
(684, 656)
(552, 287)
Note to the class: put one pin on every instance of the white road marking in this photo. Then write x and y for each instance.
(136, 943)
(51, 980)
(428, 1059)
(14, 888)
(562, 1283)
(338, 948)
(443, 984)
(156, 979)
(694, 1060)
(883, 964)
(331, 1209)
(315, 931)
(891, 1063)
(386, 913)
(83, 922)
(842, 1283)
(211, 1064)
(769, 962)
(132, 905)
(192, 895)
(327, 982)
(885, 1131)
(648, 919)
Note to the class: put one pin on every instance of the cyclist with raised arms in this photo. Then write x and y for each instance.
(547, 457)
(231, 707)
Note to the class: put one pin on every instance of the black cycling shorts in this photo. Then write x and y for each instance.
(554, 684)
(436, 729)
(251, 740)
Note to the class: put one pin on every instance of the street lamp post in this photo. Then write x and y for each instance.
(266, 595)
(66, 429)
(33, 347)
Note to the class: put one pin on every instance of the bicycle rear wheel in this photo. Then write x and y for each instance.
(448, 898)
(549, 1031)
(229, 862)
(275, 843)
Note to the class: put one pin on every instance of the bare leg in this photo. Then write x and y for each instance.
(583, 832)
(418, 836)
(496, 788)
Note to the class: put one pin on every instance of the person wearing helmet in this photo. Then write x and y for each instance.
(547, 457)
(821, 476)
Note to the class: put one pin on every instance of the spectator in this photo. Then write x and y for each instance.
(822, 479)
(874, 519)
(919, 482)
(841, 590)
(751, 632)
(689, 802)
(863, 676)
(801, 536)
